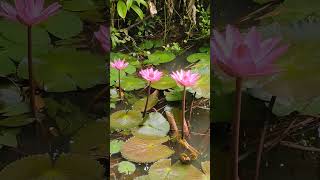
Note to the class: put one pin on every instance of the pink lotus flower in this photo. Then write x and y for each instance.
(246, 56)
(28, 12)
(119, 64)
(151, 75)
(185, 78)
(103, 37)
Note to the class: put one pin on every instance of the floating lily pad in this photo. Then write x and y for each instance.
(16, 121)
(125, 119)
(8, 137)
(162, 170)
(57, 24)
(115, 146)
(126, 167)
(64, 70)
(130, 83)
(155, 126)
(145, 177)
(198, 57)
(66, 167)
(6, 65)
(165, 82)
(202, 87)
(140, 104)
(88, 143)
(145, 150)
(173, 94)
(159, 57)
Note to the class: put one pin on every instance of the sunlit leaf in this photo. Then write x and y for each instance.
(125, 119)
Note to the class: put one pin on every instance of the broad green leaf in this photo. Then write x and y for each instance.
(166, 82)
(129, 3)
(198, 57)
(115, 146)
(201, 88)
(66, 167)
(160, 57)
(16, 121)
(138, 11)
(130, 83)
(122, 9)
(145, 150)
(152, 101)
(155, 126)
(8, 137)
(57, 25)
(125, 119)
(173, 94)
(6, 65)
(126, 167)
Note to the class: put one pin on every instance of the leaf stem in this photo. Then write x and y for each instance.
(145, 107)
(183, 112)
(30, 70)
(119, 84)
(236, 130)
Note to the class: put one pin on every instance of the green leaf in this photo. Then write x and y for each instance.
(129, 4)
(140, 104)
(130, 83)
(202, 87)
(126, 167)
(122, 9)
(155, 126)
(173, 94)
(16, 121)
(145, 150)
(66, 167)
(143, 2)
(159, 57)
(125, 119)
(198, 57)
(57, 25)
(115, 146)
(138, 11)
(79, 5)
(6, 65)
(166, 82)
(64, 70)
(9, 137)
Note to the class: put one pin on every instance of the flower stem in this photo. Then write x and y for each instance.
(145, 107)
(183, 111)
(119, 84)
(30, 70)
(235, 130)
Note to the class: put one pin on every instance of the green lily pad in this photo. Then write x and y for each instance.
(57, 24)
(6, 65)
(79, 5)
(198, 57)
(115, 146)
(173, 94)
(64, 70)
(126, 167)
(141, 103)
(16, 121)
(66, 167)
(125, 119)
(144, 177)
(145, 150)
(165, 82)
(159, 57)
(163, 170)
(114, 76)
(130, 83)
(155, 126)
(87, 143)
(8, 137)
(202, 87)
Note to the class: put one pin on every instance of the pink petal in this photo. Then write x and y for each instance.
(274, 55)
(253, 41)
(233, 36)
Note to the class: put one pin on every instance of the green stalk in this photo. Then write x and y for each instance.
(236, 130)
(145, 107)
(183, 111)
(30, 70)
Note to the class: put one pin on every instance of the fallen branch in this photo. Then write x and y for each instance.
(299, 147)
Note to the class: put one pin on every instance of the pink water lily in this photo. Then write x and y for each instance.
(185, 78)
(119, 64)
(151, 75)
(246, 56)
(28, 12)
(103, 37)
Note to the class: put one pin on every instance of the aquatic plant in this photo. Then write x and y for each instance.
(242, 57)
(29, 13)
(151, 76)
(119, 65)
(185, 79)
